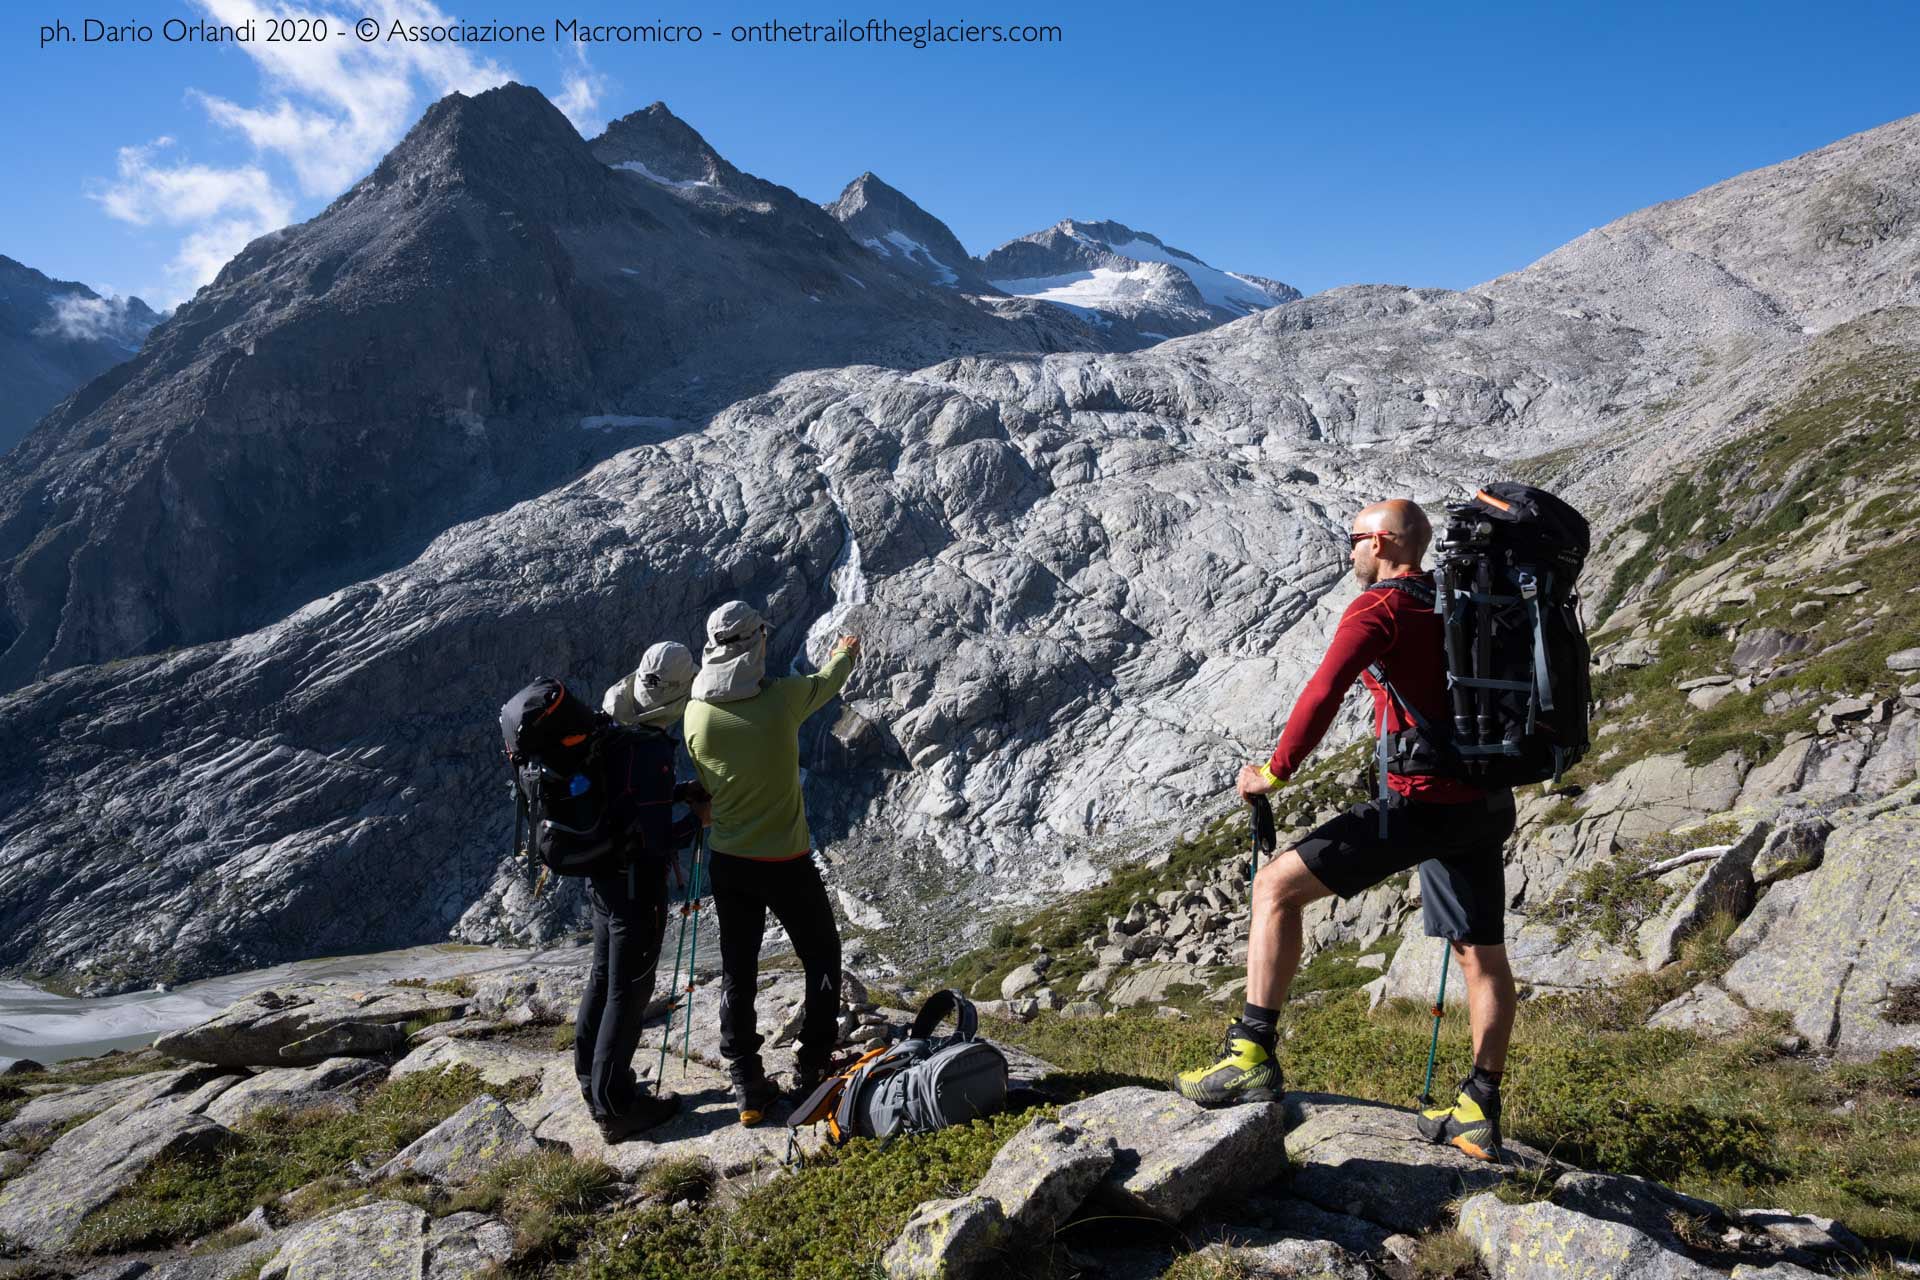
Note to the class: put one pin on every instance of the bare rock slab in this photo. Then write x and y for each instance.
(1543, 1241)
(1173, 1155)
(950, 1240)
(46, 1205)
(309, 1022)
(292, 1088)
(464, 1145)
(1829, 947)
(390, 1240)
(1368, 1160)
(499, 1064)
(1045, 1172)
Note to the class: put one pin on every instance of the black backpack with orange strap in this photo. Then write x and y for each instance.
(589, 795)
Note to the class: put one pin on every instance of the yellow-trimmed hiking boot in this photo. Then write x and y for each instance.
(1246, 1073)
(1465, 1125)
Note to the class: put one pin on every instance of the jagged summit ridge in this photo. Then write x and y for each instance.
(508, 144)
(889, 223)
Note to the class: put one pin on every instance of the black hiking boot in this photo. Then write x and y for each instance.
(1466, 1125)
(1246, 1072)
(648, 1111)
(805, 1080)
(753, 1093)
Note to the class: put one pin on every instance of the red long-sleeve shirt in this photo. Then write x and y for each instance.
(1404, 637)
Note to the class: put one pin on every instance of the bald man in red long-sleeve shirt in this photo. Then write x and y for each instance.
(1452, 830)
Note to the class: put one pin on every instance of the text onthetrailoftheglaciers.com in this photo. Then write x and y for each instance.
(293, 29)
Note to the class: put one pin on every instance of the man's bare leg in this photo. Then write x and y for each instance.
(1247, 1072)
(1490, 1002)
(1281, 891)
(1472, 1122)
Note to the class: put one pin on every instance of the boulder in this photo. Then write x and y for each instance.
(464, 1145)
(1904, 660)
(19, 1067)
(1543, 1241)
(1705, 1008)
(307, 1023)
(500, 1064)
(1842, 712)
(1021, 981)
(949, 1240)
(1173, 1154)
(1790, 849)
(1725, 887)
(1828, 947)
(44, 1207)
(1661, 793)
(1540, 960)
(532, 993)
(1095, 980)
(49, 1111)
(1804, 1233)
(390, 1240)
(1765, 646)
(1281, 1260)
(1150, 984)
(1044, 1173)
(463, 1245)
(292, 1088)
(1366, 1159)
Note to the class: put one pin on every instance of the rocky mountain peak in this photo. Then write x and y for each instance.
(888, 222)
(508, 144)
(665, 148)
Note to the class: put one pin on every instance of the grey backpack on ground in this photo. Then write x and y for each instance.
(923, 1083)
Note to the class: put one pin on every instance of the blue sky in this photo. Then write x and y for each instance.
(1320, 144)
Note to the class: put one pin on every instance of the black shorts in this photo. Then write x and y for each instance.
(1458, 848)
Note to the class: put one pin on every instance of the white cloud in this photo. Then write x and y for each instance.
(222, 208)
(331, 109)
(336, 106)
(581, 88)
(86, 319)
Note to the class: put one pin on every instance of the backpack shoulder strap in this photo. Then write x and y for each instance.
(937, 1007)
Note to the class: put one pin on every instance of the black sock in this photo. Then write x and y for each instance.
(1261, 1025)
(1483, 1086)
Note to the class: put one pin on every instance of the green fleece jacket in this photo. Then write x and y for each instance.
(748, 755)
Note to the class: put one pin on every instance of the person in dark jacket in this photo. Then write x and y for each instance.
(629, 900)
(1452, 830)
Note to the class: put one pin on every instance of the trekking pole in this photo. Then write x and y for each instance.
(1439, 1006)
(693, 953)
(1262, 838)
(673, 987)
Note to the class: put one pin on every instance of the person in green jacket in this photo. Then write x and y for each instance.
(743, 732)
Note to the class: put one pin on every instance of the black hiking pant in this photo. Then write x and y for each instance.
(744, 890)
(627, 932)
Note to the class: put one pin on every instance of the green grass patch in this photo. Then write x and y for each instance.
(273, 1153)
(832, 1218)
(1447, 1255)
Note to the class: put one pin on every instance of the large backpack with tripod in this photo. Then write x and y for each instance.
(1506, 570)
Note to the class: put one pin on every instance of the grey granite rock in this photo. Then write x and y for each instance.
(949, 1240)
(499, 1063)
(1828, 947)
(465, 1145)
(45, 1206)
(1044, 1172)
(292, 1088)
(1173, 1155)
(1368, 1160)
(1542, 1241)
(307, 1023)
